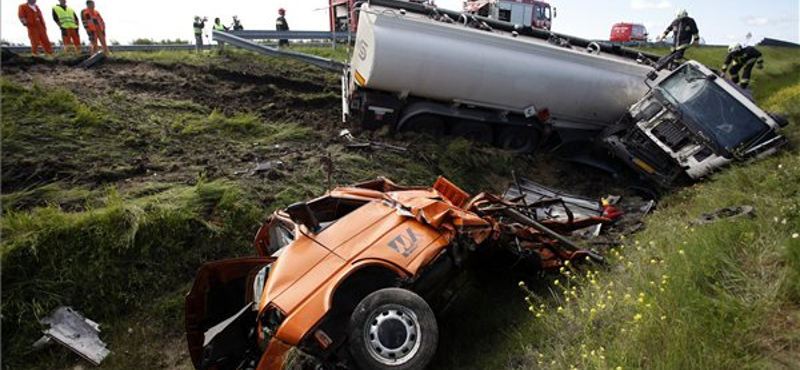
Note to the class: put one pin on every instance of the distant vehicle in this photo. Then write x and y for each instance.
(628, 32)
(529, 13)
(532, 13)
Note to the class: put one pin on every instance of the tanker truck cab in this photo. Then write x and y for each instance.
(690, 124)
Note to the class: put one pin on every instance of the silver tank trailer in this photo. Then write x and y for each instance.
(411, 54)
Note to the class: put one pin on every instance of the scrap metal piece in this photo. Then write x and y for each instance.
(352, 143)
(728, 212)
(79, 334)
(580, 207)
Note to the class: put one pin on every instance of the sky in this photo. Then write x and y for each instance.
(719, 22)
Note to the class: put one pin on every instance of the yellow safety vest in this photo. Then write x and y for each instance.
(66, 18)
(219, 27)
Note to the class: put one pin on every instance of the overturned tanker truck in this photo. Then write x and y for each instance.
(418, 68)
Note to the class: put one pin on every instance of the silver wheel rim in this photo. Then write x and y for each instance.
(392, 335)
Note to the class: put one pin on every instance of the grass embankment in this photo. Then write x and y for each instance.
(112, 202)
(724, 295)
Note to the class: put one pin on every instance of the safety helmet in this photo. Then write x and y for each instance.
(682, 13)
(281, 11)
(734, 47)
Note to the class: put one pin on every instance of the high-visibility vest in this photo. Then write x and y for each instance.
(66, 18)
(219, 27)
(198, 31)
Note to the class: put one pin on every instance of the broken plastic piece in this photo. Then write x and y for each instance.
(79, 334)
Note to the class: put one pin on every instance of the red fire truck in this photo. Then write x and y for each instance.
(628, 32)
(536, 14)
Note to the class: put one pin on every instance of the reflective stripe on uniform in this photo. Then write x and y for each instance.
(66, 18)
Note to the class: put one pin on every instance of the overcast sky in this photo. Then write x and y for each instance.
(719, 22)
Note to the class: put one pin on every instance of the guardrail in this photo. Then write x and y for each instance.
(328, 64)
(293, 35)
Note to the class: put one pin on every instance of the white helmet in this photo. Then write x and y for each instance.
(734, 47)
(682, 13)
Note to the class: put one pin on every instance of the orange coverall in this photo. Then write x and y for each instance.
(95, 27)
(37, 31)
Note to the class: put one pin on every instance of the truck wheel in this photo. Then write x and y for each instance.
(518, 139)
(473, 131)
(393, 328)
(428, 124)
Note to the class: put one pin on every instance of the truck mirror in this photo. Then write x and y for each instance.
(780, 119)
(301, 213)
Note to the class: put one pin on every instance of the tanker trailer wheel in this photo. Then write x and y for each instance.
(518, 139)
(427, 124)
(393, 328)
(473, 131)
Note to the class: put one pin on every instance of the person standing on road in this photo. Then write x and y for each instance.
(219, 27)
(282, 25)
(95, 26)
(198, 25)
(67, 20)
(684, 32)
(31, 17)
(742, 58)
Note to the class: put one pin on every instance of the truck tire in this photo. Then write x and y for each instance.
(428, 124)
(393, 328)
(518, 139)
(473, 131)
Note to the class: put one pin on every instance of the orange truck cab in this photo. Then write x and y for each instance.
(347, 277)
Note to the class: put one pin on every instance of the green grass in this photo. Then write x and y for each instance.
(115, 259)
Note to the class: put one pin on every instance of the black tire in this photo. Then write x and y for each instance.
(518, 139)
(473, 131)
(393, 328)
(427, 124)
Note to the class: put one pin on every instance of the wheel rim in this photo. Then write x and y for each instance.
(517, 140)
(392, 335)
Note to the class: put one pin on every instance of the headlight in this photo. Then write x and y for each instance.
(271, 319)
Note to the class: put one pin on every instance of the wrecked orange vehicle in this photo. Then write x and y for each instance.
(350, 277)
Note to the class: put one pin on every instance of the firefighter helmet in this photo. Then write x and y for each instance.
(682, 13)
(734, 47)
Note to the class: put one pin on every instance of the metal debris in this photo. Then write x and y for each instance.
(352, 143)
(79, 334)
(728, 212)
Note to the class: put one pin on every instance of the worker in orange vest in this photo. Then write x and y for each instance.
(94, 25)
(67, 20)
(31, 16)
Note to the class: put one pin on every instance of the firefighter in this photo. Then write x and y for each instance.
(684, 32)
(282, 25)
(198, 25)
(67, 20)
(218, 26)
(742, 57)
(95, 26)
(31, 17)
(237, 25)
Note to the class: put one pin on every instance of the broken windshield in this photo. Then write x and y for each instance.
(715, 112)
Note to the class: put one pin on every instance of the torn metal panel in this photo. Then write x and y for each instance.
(558, 205)
(75, 332)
